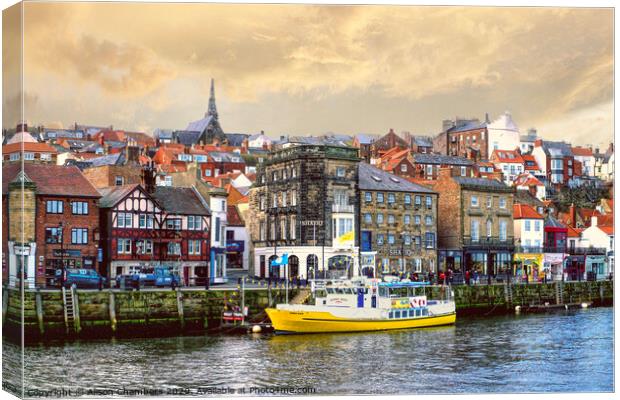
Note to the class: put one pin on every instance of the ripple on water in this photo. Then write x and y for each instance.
(570, 351)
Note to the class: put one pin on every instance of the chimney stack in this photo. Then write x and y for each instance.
(594, 221)
(573, 215)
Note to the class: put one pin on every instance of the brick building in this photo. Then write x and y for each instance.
(387, 142)
(427, 166)
(303, 204)
(58, 222)
(475, 224)
(398, 221)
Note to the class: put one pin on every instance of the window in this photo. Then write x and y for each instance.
(368, 218)
(379, 197)
(193, 247)
(379, 218)
(173, 223)
(217, 229)
(391, 198)
(403, 167)
(537, 226)
(391, 219)
(418, 266)
(489, 228)
(407, 219)
(174, 248)
(475, 230)
(293, 226)
(430, 240)
(463, 171)
(124, 220)
(283, 230)
(79, 236)
(223, 206)
(368, 197)
(284, 174)
(556, 164)
(503, 231)
(119, 180)
(391, 238)
(123, 246)
(502, 202)
(340, 172)
(207, 172)
(429, 202)
(418, 200)
(293, 197)
(261, 201)
(527, 225)
(14, 156)
(474, 201)
(293, 172)
(429, 220)
(418, 241)
(144, 247)
(407, 199)
(417, 219)
(274, 176)
(29, 156)
(54, 206)
(283, 199)
(53, 235)
(261, 231)
(46, 157)
(489, 202)
(194, 222)
(380, 239)
(142, 221)
(429, 172)
(274, 203)
(341, 197)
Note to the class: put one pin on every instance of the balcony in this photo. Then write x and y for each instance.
(587, 250)
(488, 243)
(342, 208)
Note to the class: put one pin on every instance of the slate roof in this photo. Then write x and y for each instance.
(51, 179)
(187, 137)
(371, 178)
(470, 125)
(227, 157)
(424, 158)
(180, 200)
(422, 141)
(525, 197)
(557, 148)
(236, 139)
(491, 184)
(363, 138)
(551, 222)
(162, 133)
(113, 194)
(200, 125)
(109, 159)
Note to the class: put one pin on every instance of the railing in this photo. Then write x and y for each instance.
(587, 250)
(342, 208)
(488, 242)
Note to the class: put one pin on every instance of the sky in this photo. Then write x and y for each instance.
(308, 70)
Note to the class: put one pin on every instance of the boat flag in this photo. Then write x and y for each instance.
(282, 260)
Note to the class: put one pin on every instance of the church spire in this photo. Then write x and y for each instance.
(212, 111)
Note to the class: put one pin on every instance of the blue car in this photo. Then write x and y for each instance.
(149, 277)
(82, 278)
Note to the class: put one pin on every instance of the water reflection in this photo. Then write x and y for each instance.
(569, 351)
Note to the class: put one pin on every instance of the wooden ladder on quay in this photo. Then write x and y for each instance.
(559, 293)
(71, 310)
(508, 293)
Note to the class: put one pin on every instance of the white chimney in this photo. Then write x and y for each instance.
(594, 221)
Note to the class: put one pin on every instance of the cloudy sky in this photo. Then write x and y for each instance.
(293, 69)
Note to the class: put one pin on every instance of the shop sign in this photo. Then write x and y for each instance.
(235, 246)
(311, 223)
(554, 258)
(67, 253)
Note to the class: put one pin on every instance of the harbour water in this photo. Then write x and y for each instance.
(569, 351)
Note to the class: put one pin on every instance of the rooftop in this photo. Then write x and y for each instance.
(57, 180)
(371, 178)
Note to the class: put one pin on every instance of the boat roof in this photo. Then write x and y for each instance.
(395, 285)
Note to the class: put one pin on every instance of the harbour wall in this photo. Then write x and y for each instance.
(108, 313)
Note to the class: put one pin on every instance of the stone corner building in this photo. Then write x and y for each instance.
(398, 221)
(302, 204)
(475, 229)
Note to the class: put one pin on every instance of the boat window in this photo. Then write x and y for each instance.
(417, 312)
(383, 292)
(396, 314)
(330, 290)
(350, 290)
(391, 314)
(341, 291)
(411, 313)
(424, 311)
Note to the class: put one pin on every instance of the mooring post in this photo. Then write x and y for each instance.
(76, 310)
(180, 308)
(39, 306)
(112, 309)
(5, 302)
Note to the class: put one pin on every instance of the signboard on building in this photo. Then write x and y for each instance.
(235, 246)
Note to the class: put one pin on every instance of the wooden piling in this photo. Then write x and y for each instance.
(39, 307)
(112, 309)
(76, 309)
(5, 303)
(180, 308)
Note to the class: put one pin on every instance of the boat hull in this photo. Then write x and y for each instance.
(322, 322)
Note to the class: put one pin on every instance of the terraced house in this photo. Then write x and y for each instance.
(476, 225)
(303, 205)
(398, 224)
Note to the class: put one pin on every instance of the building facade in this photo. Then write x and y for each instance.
(303, 205)
(398, 221)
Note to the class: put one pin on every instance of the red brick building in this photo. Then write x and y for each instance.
(60, 222)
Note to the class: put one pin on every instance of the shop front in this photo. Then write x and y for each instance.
(70, 259)
(528, 267)
(596, 267)
(234, 253)
(450, 259)
(367, 262)
(575, 267)
(553, 266)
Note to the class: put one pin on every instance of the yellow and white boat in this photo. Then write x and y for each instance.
(363, 305)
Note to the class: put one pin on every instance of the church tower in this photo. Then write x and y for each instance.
(212, 110)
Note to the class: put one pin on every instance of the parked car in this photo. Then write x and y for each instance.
(149, 277)
(82, 278)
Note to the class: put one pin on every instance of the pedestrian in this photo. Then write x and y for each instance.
(442, 277)
(467, 277)
(475, 275)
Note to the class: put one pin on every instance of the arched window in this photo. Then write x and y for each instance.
(293, 267)
(312, 266)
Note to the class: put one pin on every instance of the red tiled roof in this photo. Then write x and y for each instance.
(57, 180)
(607, 229)
(581, 151)
(233, 217)
(527, 179)
(28, 147)
(525, 211)
(529, 157)
(573, 232)
(507, 156)
(234, 196)
(607, 219)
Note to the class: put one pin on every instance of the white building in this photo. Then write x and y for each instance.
(510, 163)
(528, 227)
(586, 158)
(219, 219)
(503, 134)
(259, 141)
(237, 240)
(600, 236)
(529, 182)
